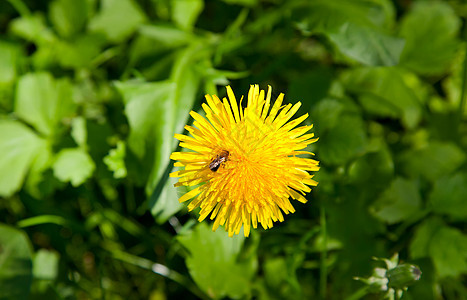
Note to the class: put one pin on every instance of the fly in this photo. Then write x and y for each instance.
(218, 160)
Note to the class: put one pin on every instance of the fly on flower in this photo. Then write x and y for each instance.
(245, 163)
(218, 160)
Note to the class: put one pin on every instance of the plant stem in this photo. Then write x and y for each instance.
(160, 270)
(359, 294)
(323, 267)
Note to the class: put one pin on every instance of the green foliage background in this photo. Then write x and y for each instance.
(91, 93)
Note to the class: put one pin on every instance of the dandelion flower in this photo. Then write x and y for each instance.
(245, 162)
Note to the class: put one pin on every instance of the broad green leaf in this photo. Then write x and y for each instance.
(185, 12)
(329, 16)
(115, 160)
(377, 167)
(214, 262)
(43, 101)
(117, 19)
(358, 28)
(398, 203)
(149, 108)
(448, 250)
(19, 147)
(32, 28)
(80, 51)
(164, 200)
(15, 263)
(435, 160)
(311, 86)
(449, 196)
(447, 247)
(420, 244)
(385, 92)
(367, 46)
(43, 161)
(156, 111)
(45, 265)
(74, 165)
(68, 16)
(326, 113)
(430, 30)
(343, 141)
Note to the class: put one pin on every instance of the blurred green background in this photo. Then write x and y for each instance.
(91, 93)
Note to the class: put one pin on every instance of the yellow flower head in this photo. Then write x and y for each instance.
(245, 161)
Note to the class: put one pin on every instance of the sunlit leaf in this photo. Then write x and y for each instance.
(117, 19)
(68, 16)
(74, 165)
(185, 12)
(43, 101)
(45, 264)
(213, 262)
(19, 146)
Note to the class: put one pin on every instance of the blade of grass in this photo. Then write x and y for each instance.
(158, 269)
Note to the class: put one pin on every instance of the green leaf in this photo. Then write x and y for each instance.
(435, 160)
(328, 16)
(19, 146)
(214, 262)
(164, 203)
(448, 250)
(367, 45)
(358, 28)
(430, 30)
(149, 108)
(117, 19)
(398, 203)
(115, 160)
(46, 264)
(9, 54)
(242, 2)
(156, 111)
(168, 36)
(79, 131)
(376, 167)
(449, 196)
(185, 12)
(419, 246)
(33, 28)
(80, 51)
(446, 246)
(343, 141)
(74, 165)
(385, 92)
(15, 263)
(43, 101)
(68, 16)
